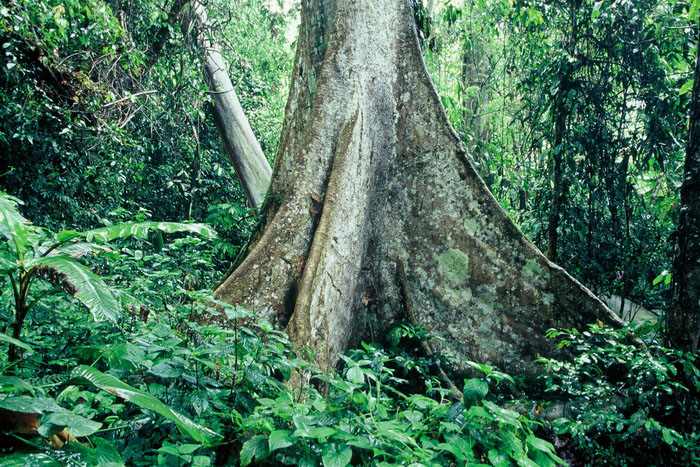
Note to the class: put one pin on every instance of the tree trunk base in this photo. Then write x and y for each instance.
(376, 214)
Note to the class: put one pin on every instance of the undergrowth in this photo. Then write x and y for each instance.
(158, 387)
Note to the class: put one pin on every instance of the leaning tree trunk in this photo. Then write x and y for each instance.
(683, 321)
(376, 214)
(242, 147)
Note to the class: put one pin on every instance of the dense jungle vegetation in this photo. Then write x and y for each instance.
(120, 212)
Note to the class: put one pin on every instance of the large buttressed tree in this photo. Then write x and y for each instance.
(376, 215)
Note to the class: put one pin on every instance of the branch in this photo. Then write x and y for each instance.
(141, 93)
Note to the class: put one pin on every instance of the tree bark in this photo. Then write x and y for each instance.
(243, 149)
(376, 214)
(683, 320)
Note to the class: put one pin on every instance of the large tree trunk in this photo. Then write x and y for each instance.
(376, 214)
(683, 322)
(243, 149)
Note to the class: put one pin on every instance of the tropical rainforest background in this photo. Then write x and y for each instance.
(122, 211)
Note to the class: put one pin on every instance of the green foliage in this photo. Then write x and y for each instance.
(616, 73)
(359, 417)
(88, 288)
(103, 107)
(625, 404)
(31, 252)
(165, 389)
(164, 381)
(115, 386)
(104, 121)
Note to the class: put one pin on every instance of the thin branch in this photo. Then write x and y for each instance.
(141, 93)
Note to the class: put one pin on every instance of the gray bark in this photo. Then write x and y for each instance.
(376, 214)
(243, 149)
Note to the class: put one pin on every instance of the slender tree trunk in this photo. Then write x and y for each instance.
(14, 351)
(558, 192)
(561, 113)
(21, 290)
(683, 320)
(474, 72)
(376, 214)
(242, 147)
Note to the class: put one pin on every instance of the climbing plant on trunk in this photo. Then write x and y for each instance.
(376, 215)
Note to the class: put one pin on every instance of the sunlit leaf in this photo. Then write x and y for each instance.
(15, 342)
(141, 230)
(13, 226)
(86, 286)
(686, 87)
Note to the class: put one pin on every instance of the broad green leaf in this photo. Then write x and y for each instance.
(16, 342)
(141, 230)
(74, 424)
(693, 11)
(165, 370)
(362, 442)
(335, 455)
(686, 87)
(169, 449)
(11, 383)
(255, 448)
(280, 439)
(498, 459)
(460, 446)
(103, 454)
(65, 235)
(355, 375)
(8, 266)
(667, 435)
(200, 461)
(322, 432)
(88, 288)
(540, 444)
(13, 226)
(474, 391)
(76, 250)
(188, 448)
(29, 460)
(24, 404)
(307, 461)
(115, 386)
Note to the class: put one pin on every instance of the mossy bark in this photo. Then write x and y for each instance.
(376, 215)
